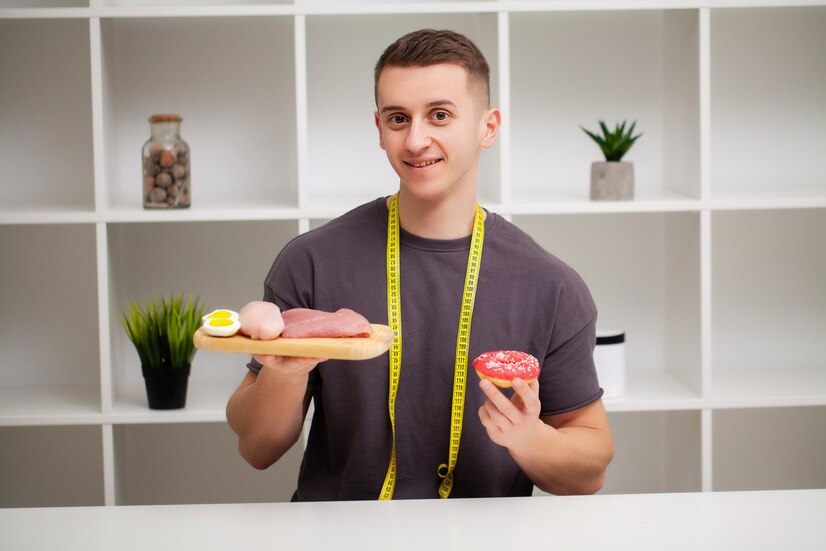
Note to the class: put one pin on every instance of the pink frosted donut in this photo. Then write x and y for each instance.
(501, 367)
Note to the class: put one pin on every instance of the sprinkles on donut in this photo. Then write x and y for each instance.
(501, 367)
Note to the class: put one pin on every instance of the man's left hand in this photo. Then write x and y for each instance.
(512, 423)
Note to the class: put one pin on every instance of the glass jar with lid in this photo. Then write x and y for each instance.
(166, 181)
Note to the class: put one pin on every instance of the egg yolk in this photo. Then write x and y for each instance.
(220, 322)
(220, 314)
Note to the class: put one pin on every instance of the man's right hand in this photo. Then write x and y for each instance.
(288, 365)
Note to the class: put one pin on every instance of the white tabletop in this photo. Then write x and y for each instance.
(691, 521)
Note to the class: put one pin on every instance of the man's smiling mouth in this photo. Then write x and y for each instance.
(423, 164)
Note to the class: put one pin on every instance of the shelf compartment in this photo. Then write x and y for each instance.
(564, 73)
(785, 196)
(233, 82)
(345, 163)
(46, 404)
(51, 466)
(768, 387)
(194, 463)
(767, 107)
(237, 211)
(768, 299)
(643, 271)
(45, 113)
(49, 296)
(206, 401)
(41, 4)
(653, 390)
(223, 263)
(551, 201)
(189, 3)
(769, 449)
(655, 452)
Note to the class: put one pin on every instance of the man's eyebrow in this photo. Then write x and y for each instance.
(441, 102)
(430, 105)
(392, 108)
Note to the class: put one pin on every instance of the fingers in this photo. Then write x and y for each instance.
(288, 365)
(511, 422)
(490, 414)
(525, 399)
(495, 396)
(502, 413)
(528, 396)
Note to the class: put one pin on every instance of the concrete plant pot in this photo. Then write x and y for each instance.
(612, 181)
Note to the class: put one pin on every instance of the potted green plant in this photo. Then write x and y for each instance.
(613, 179)
(162, 333)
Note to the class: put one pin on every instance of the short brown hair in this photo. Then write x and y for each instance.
(431, 47)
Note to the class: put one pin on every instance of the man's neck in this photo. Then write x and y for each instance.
(446, 218)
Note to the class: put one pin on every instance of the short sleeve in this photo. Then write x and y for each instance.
(568, 379)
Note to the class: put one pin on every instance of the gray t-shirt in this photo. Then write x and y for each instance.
(526, 300)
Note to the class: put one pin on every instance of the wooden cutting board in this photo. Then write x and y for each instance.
(345, 348)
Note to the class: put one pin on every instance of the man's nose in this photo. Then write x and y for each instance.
(418, 137)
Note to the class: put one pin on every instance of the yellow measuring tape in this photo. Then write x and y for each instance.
(394, 320)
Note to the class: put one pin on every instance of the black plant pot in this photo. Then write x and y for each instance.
(166, 387)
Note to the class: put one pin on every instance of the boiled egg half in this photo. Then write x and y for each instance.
(221, 323)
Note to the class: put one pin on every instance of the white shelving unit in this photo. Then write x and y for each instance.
(716, 270)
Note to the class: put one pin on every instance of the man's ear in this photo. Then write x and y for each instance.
(378, 125)
(492, 122)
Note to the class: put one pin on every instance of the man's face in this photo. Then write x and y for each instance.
(432, 125)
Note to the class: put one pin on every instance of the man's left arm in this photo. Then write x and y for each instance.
(562, 454)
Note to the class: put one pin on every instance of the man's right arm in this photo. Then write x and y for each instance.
(267, 409)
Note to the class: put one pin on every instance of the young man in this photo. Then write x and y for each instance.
(433, 119)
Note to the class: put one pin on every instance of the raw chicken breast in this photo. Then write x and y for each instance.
(304, 323)
(261, 321)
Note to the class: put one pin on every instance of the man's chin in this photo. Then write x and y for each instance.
(427, 192)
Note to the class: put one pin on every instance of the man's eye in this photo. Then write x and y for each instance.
(440, 115)
(397, 119)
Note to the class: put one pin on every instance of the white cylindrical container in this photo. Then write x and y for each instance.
(609, 358)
